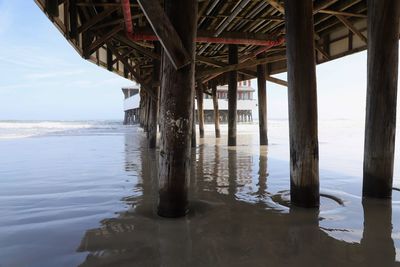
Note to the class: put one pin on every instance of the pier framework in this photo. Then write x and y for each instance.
(203, 44)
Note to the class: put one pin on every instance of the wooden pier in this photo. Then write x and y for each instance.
(178, 49)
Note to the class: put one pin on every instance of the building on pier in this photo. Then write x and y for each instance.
(131, 105)
(246, 104)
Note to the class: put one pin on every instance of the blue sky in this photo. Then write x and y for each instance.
(43, 78)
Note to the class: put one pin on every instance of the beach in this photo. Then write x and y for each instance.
(84, 194)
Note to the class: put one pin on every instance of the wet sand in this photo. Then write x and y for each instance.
(88, 199)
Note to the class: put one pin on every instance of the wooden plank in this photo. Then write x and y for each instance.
(166, 33)
(352, 28)
(96, 19)
(302, 96)
(320, 5)
(277, 6)
(380, 125)
(276, 80)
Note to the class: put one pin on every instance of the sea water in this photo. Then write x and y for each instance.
(84, 194)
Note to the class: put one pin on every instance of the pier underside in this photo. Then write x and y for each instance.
(209, 43)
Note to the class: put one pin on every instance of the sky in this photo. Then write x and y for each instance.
(44, 78)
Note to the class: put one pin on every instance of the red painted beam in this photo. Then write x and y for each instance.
(126, 8)
(216, 40)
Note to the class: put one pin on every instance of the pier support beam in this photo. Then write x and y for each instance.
(302, 96)
(194, 126)
(262, 102)
(177, 105)
(154, 102)
(232, 95)
(216, 110)
(200, 109)
(380, 123)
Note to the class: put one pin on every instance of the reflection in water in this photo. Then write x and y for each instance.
(228, 227)
(377, 240)
(262, 172)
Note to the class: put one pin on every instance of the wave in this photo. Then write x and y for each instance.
(24, 129)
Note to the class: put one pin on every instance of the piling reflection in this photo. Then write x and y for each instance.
(224, 229)
(377, 242)
(262, 172)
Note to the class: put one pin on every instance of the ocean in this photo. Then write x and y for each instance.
(83, 193)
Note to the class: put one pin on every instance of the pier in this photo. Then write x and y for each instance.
(181, 51)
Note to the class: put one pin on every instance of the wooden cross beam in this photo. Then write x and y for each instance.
(277, 6)
(52, 7)
(166, 33)
(104, 38)
(146, 87)
(240, 66)
(352, 28)
(96, 19)
(347, 14)
(73, 19)
(137, 47)
(322, 5)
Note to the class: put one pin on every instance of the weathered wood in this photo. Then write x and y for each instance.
(239, 66)
(262, 102)
(73, 19)
(177, 105)
(136, 75)
(216, 110)
(101, 40)
(194, 126)
(232, 96)
(200, 110)
(96, 19)
(302, 96)
(109, 59)
(380, 124)
(166, 33)
(348, 14)
(352, 28)
(276, 80)
(154, 101)
(277, 6)
(52, 7)
(320, 5)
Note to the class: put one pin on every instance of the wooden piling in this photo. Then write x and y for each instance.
(154, 102)
(216, 110)
(262, 102)
(380, 123)
(232, 96)
(200, 109)
(302, 96)
(194, 127)
(177, 103)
